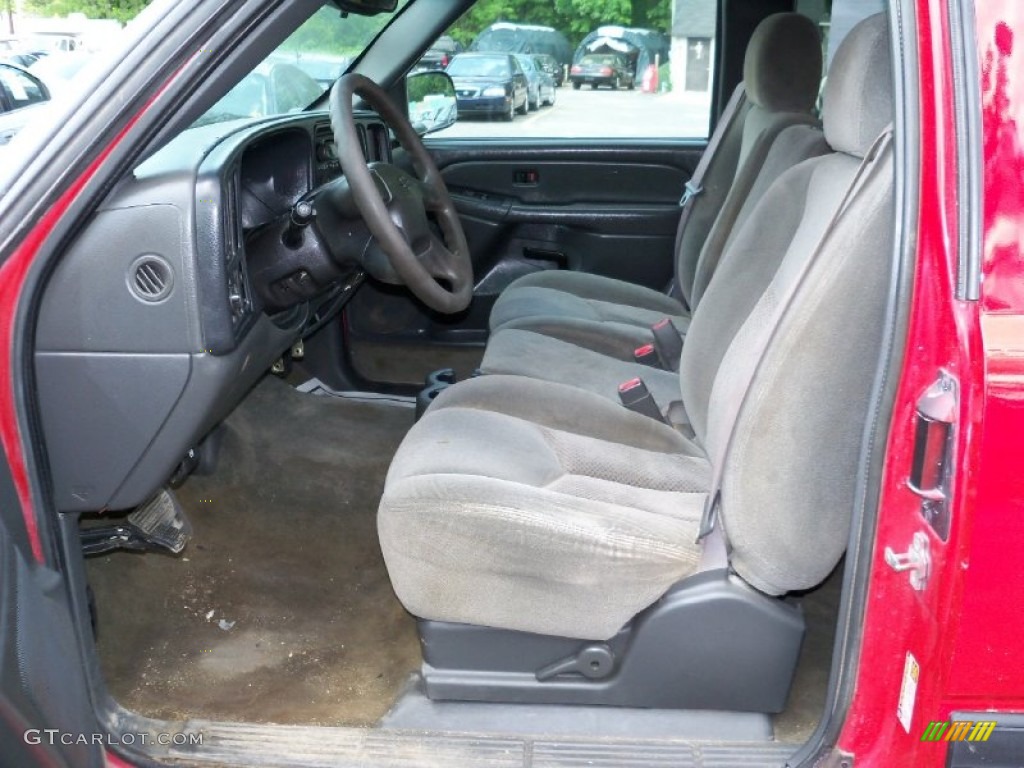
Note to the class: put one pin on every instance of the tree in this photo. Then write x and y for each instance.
(583, 16)
(487, 12)
(121, 10)
(652, 14)
(323, 32)
(573, 18)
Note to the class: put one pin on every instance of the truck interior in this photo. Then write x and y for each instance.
(368, 448)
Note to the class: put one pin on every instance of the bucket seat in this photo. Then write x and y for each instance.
(782, 73)
(540, 507)
(567, 327)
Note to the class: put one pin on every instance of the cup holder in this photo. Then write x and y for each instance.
(435, 383)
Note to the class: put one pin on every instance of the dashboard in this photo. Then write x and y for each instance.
(178, 296)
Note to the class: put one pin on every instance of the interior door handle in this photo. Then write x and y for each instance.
(526, 177)
(931, 471)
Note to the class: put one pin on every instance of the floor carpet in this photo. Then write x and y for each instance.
(410, 363)
(280, 609)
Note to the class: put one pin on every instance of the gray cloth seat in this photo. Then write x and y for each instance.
(545, 301)
(782, 68)
(569, 350)
(544, 508)
(498, 482)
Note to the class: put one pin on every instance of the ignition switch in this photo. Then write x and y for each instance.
(301, 216)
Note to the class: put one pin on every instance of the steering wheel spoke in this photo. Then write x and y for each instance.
(432, 201)
(438, 260)
(438, 271)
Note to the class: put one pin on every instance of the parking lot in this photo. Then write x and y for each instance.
(600, 113)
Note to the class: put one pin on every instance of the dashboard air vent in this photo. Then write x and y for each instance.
(150, 278)
(231, 219)
(364, 142)
(323, 132)
(380, 142)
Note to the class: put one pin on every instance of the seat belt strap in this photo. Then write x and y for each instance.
(694, 187)
(783, 299)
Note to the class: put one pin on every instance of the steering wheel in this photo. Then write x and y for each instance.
(394, 204)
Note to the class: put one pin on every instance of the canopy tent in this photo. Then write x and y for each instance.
(641, 46)
(523, 38)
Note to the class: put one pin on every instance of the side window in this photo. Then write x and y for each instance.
(594, 70)
(22, 89)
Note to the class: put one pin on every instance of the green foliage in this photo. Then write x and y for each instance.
(573, 18)
(652, 14)
(486, 12)
(122, 10)
(325, 32)
(582, 16)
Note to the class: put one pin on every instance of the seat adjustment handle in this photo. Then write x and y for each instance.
(594, 661)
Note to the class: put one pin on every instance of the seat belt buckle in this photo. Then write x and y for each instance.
(709, 516)
(667, 343)
(635, 396)
(690, 191)
(647, 355)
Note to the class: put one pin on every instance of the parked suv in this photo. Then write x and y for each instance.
(440, 54)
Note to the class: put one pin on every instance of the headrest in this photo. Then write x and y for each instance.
(858, 95)
(782, 68)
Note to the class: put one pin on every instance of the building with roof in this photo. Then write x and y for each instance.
(693, 44)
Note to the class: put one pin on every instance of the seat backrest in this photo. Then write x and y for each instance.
(789, 148)
(795, 406)
(781, 76)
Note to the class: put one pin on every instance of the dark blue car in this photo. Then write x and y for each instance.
(490, 84)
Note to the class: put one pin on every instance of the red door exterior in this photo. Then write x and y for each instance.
(963, 629)
(988, 666)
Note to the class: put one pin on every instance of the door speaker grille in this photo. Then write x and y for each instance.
(150, 278)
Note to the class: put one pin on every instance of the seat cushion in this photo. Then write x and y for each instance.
(555, 295)
(562, 514)
(550, 326)
(543, 357)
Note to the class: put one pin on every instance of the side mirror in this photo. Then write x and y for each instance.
(432, 105)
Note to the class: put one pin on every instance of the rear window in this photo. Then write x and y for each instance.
(479, 66)
(604, 60)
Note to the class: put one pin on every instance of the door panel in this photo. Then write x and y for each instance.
(41, 671)
(526, 207)
(930, 497)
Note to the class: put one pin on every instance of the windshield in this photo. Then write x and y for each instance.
(302, 68)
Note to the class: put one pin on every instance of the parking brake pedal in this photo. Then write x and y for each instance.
(159, 525)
